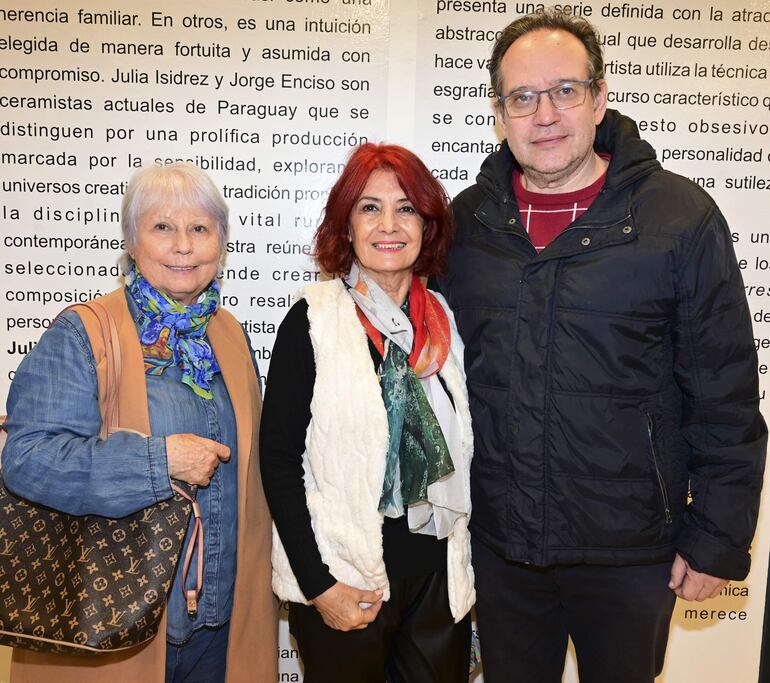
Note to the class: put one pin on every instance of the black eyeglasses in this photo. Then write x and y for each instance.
(565, 95)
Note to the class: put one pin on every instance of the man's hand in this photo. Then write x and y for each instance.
(691, 585)
(194, 458)
(340, 607)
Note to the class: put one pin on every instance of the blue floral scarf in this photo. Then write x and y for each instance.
(174, 334)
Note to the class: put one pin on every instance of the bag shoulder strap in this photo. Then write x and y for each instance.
(109, 379)
(98, 321)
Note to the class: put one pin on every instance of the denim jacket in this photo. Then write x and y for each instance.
(53, 456)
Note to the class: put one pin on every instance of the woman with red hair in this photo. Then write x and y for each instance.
(366, 440)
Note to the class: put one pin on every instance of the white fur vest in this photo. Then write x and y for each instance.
(344, 460)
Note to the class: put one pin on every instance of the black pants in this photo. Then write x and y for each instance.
(413, 639)
(617, 617)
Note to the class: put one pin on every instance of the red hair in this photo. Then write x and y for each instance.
(333, 250)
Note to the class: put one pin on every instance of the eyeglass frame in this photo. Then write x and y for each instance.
(586, 83)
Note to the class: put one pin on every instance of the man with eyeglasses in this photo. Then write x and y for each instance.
(611, 372)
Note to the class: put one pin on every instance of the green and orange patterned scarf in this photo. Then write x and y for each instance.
(414, 342)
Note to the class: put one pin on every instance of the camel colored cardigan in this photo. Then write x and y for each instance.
(252, 649)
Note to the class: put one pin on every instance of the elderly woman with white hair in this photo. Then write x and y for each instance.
(192, 414)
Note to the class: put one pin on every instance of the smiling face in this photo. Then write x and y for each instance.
(177, 251)
(386, 233)
(554, 147)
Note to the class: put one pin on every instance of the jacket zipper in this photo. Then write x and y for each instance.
(658, 474)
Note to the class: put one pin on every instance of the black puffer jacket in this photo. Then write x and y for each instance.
(609, 374)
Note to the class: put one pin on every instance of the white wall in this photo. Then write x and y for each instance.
(406, 71)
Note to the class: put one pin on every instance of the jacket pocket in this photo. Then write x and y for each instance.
(656, 466)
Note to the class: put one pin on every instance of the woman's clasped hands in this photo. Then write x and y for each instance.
(345, 608)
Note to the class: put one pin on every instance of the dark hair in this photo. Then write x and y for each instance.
(333, 249)
(548, 19)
